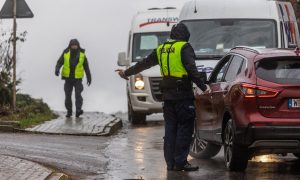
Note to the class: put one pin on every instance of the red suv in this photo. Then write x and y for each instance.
(253, 107)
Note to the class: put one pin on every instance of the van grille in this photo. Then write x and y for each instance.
(156, 93)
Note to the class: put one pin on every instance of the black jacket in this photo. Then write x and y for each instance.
(73, 63)
(188, 61)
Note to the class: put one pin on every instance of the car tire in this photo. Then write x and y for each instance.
(134, 117)
(235, 156)
(201, 149)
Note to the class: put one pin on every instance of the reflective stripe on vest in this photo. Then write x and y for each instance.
(79, 70)
(169, 58)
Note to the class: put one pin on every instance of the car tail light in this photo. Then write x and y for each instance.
(252, 91)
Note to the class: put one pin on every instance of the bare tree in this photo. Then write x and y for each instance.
(6, 65)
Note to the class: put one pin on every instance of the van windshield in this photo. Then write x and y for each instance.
(213, 38)
(145, 43)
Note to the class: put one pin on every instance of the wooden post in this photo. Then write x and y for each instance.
(14, 55)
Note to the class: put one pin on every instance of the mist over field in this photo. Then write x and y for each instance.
(102, 27)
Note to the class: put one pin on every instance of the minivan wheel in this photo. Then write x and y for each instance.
(135, 118)
(201, 149)
(236, 156)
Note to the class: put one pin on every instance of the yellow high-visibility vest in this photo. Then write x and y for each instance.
(169, 58)
(79, 70)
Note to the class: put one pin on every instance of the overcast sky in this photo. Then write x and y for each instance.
(102, 28)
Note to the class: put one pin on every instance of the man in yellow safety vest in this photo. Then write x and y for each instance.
(178, 68)
(75, 64)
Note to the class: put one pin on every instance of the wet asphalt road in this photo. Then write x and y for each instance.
(134, 153)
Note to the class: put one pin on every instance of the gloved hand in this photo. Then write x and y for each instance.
(89, 82)
(121, 73)
(56, 73)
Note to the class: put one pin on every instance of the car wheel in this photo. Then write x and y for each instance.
(236, 156)
(201, 149)
(135, 118)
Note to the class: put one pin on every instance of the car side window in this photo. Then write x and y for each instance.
(218, 73)
(234, 68)
(221, 73)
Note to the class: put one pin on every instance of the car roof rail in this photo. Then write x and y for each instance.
(154, 8)
(166, 8)
(247, 48)
(170, 8)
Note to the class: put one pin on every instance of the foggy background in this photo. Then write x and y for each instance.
(102, 27)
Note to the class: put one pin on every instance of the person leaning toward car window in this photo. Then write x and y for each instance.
(74, 63)
(178, 68)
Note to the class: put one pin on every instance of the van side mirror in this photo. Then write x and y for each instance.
(204, 77)
(122, 59)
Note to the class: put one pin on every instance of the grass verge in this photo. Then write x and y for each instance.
(29, 112)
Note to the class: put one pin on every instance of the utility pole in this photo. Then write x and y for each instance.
(13, 9)
(14, 55)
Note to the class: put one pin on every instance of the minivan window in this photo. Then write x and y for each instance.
(281, 71)
(213, 38)
(234, 68)
(145, 43)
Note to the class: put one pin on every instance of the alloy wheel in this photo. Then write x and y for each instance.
(198, 144)
(228, 145)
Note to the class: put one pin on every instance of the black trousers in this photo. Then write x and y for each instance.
(179, 118)
(71, 84)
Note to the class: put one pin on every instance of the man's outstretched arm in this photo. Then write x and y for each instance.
(188, 60)
(147, 63)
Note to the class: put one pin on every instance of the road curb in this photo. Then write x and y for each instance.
(112, 127)
(12, 167)
(108, 130)
(7, 128)
(58, 176)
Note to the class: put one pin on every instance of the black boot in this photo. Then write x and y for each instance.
(170, 168)
(69, 114)
(186, 167)
(79, 113)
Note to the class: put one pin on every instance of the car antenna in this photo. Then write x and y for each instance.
(195, 11)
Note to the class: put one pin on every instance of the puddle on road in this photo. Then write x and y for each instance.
(267, 158)
(137, 153)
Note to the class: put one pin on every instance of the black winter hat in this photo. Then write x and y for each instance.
(180, 32)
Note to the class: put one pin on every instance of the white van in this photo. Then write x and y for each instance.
(216, 26)
(149, 29)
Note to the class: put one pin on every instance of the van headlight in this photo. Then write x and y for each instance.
(139, 82)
